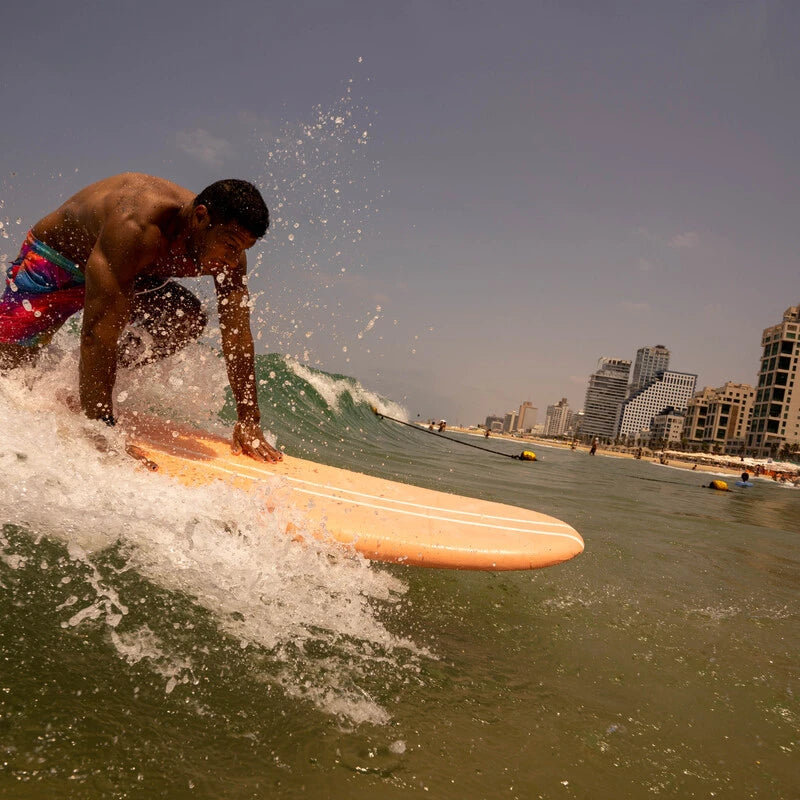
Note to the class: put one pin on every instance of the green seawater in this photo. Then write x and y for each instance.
(158, 642)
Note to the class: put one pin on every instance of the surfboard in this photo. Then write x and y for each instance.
(383, 520)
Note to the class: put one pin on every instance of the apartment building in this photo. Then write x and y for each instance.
(720, 417)
(694, 424)
(558, 418)
(776, 410)
(667, 427)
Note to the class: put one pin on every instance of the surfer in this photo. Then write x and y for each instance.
(112, 250)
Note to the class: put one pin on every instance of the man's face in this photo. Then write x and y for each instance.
(223, 245)
(214, 247)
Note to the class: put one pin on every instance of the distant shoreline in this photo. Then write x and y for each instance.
(679, 463)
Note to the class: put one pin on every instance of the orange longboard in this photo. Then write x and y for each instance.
(384, 520)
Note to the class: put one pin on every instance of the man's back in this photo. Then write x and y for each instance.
(129, 198)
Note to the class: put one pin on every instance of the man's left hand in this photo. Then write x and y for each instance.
(248, 438)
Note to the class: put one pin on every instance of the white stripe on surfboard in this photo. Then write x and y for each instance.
(260, 469)
(396, 510)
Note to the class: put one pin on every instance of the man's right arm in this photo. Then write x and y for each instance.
(118, 255)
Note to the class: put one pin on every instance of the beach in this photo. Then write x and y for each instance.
(693, 462)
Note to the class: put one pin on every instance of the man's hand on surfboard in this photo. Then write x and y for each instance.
(248, 438)
(134, 451)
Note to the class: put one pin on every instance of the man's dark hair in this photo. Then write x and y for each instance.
(234, 200)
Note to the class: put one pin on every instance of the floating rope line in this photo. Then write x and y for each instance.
(525, 455)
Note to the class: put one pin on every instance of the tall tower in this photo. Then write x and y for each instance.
(604, 395)
(776, 412)
(649, 362)
(526, 416)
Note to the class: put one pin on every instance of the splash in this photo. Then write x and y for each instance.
(279, 598)
(307, 279)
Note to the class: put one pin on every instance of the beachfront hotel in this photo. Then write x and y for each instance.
(607, 388)
(669, 390)
(776, 411)
(720, 417)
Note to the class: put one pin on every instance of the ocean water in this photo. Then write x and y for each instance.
(164, 642)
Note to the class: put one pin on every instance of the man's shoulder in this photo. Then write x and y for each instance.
(142, 204)
(132, 191)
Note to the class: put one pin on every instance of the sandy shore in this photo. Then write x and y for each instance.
(671, 462)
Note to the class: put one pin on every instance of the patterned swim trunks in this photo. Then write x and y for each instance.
(43, 289)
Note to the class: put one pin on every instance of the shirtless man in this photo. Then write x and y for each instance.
(111, 250)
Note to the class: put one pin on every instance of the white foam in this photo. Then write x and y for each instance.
(332, 389)
(218, 545)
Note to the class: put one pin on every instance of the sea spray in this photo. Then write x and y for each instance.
(309, 612)
(308, 294)
(333, 387)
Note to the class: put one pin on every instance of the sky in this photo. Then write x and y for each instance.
(472, 202)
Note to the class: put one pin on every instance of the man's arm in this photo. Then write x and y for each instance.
(118, 255)
(233, 301)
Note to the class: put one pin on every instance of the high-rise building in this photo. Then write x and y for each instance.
(694, 425)
(526, 417)
(670, 390)
(607, 388)
(720, 417)
(729, 415)
(558, 418)
(776, 411)
(510, 422)
(649, 362)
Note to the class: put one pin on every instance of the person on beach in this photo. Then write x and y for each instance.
(593, 448)
(112, 250)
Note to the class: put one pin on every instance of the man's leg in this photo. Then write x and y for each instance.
(165, 318)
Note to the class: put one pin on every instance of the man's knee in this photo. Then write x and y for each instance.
(171, 312)
(188, 318)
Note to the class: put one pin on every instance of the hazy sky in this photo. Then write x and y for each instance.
(472, 201)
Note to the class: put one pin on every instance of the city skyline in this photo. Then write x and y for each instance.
(700, 384)
(762, 418)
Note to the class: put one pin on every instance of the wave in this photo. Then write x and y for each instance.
(67, 484)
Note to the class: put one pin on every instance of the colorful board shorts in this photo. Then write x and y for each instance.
(43, 289)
